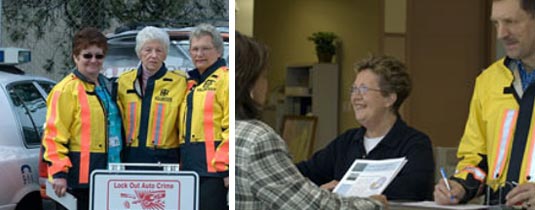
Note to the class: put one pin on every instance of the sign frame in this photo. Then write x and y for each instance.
(187, 182)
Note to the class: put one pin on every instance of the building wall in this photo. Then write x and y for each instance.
(285, 25)
(445, 53)
(244, 16)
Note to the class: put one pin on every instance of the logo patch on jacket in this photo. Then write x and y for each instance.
(208, 85)
(164, 92)
(163, 96)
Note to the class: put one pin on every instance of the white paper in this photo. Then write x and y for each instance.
(433, 205)
(68, 201)
(369, 177)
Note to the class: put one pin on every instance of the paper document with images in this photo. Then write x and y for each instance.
(369, 177)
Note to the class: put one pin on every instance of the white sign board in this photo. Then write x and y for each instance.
(142, 190)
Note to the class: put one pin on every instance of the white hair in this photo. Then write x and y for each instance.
(151, 33)
(208, 30)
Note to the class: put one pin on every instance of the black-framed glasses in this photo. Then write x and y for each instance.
(88, 56)
(363, 89)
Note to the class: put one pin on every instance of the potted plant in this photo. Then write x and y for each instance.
(325, 45)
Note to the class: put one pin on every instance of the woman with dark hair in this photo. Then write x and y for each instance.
(266, 178)
(83, 126)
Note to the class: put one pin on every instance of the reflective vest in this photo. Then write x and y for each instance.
(75, 135)
(151, 120)
(205, 121)
(498, 119)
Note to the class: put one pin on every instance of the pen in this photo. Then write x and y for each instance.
(443, 173)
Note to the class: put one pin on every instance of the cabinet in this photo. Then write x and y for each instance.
(312, 89)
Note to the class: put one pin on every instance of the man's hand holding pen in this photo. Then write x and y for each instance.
(444, 196)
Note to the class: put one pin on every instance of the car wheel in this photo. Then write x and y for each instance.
(30, 201)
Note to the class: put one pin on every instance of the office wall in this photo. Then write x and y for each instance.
(448, 45)
(285, 25)
(244, 16)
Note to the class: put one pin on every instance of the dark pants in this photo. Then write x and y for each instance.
(213, 194)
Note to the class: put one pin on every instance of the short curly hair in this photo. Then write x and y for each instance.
(88, 37)
(205, 29)
(393, 76)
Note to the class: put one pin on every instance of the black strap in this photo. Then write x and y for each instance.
(511, 90)
(521, 134)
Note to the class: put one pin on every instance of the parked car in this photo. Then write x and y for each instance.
(122, 56)
(23, 112)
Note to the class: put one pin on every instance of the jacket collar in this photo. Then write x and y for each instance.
(82, 77)
(197, 76)
(391, 138)
(159, 74)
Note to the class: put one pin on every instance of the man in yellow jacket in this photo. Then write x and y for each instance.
(204, 141)
(149, 98)
(497, 149)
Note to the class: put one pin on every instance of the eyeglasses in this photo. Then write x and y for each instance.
(362, 89)
(200, 49)
(88, 56)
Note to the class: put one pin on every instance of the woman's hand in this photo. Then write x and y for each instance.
(60, 186)
(330, 185)
(382, 199)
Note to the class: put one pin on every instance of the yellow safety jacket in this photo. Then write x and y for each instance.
(498, 141)
(151, 120)
(205, 121)
(75, 134)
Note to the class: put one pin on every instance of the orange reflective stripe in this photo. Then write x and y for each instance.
(506, 132)
(221, 159)
(85, 135)
(52, 131)
(209, 130)
(476, 172)
(131, 119)
(191, 83)
(157, 124)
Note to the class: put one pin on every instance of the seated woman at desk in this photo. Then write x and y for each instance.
(380, 87)
(266, 178)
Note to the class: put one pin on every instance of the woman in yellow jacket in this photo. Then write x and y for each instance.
(83, 128)
(204, 140)
(149, 98)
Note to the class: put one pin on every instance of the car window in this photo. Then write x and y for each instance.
(30, 108)
(119, 58)
(47, 86)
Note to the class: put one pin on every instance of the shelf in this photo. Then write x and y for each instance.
(297, 91)
(313, 89)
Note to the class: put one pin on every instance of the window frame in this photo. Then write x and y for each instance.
(42, 94)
